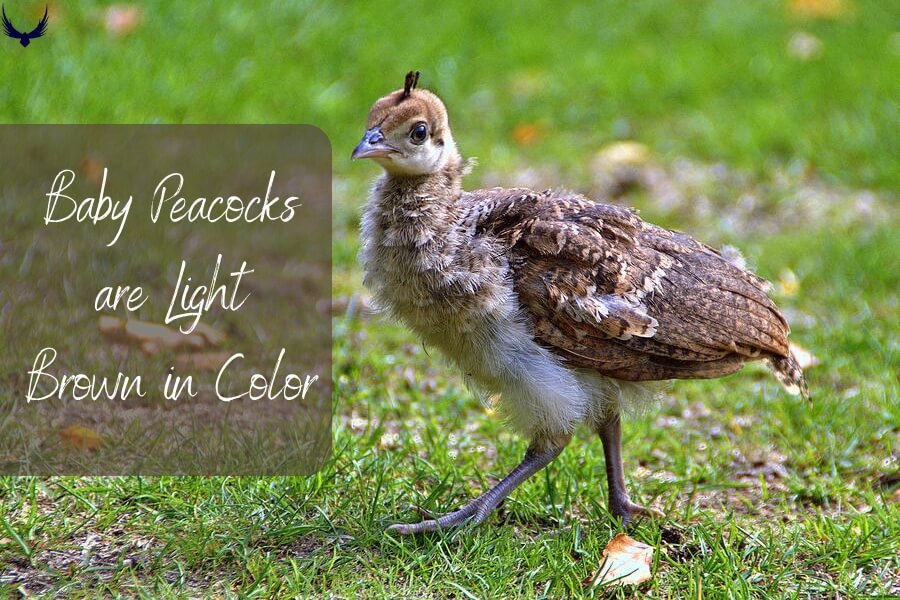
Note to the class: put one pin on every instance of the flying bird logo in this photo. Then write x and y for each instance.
(25, 38)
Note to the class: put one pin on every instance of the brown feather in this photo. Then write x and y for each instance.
(607, 291)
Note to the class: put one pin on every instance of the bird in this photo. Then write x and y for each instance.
(25, 38)
(559, 309)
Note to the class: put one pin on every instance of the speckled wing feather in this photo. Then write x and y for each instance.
(607, 291)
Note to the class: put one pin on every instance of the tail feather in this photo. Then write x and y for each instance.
(788, 372)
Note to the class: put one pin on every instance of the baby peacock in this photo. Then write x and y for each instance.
(555, 305)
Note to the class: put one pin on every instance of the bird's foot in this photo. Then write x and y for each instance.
(626, 510)
(536, 458)
(472, 513)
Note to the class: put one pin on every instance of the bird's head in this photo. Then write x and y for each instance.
(408, 132)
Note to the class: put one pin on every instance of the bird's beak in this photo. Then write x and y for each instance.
(372, 145)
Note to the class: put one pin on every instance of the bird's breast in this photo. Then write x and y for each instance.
(435, 279)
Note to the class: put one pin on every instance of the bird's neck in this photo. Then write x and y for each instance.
(442, 188)
(412, 211)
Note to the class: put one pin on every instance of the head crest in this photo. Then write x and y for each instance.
(412, 80)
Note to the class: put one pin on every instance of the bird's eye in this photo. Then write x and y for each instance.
(419, 133)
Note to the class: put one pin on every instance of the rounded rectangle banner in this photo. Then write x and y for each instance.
(165, 299)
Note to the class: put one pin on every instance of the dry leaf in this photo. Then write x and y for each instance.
(626, 562)
(805, 358)
(819, 9)
(526, 134)
(788, 284)
(112, 329)
(213, 336)
(5, 541)
(122, 19)
(153, 338)
(625, 153)
(202, 361)
(79, 437)
(92, 168)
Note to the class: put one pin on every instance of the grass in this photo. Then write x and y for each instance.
(765, 496)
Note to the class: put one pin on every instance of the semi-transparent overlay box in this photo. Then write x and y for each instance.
(164, 299)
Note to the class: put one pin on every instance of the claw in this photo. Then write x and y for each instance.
(422, 512)
(457, 518)
(414, 528)
(628, 509)
(404, 528)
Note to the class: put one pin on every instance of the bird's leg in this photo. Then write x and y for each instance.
(538, 456)
(620, 504)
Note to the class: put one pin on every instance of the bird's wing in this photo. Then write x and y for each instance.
(8, 27)
(605, 290)
(41, 28)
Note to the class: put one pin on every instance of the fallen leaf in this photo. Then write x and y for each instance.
(54, 15)
(112, 328)
(626, 153)
(122, 19)
(788, 284)
(213, 336)
(202, 361)
(626, 562)
(819, 9)
(153, 337)
(92, 168)
(526, 134)
(79, 437)
(805, 358)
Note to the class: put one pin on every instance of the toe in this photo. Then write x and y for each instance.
(644, 511)
(423, 513)
(414, 528)
(457, 518)
(627, 510)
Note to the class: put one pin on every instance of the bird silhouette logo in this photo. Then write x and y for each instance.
(25, 38)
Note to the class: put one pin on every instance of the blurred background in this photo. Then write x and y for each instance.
(812, 82)
(782, 91)
(770, 125)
